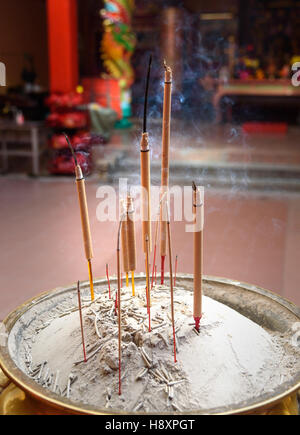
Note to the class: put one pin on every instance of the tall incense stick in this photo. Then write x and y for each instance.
(81, 322)
(85, 223)
(145, 172)
(166, 128)
(198, 210)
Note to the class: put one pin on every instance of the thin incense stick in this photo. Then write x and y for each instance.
(198, 210)
(132, 283)
(166, 128)
(85, 222)
(119, 305)
(172, 289)
(154, 253)
(81, 322)
(108, 281)
(148, 282)
(91, 279)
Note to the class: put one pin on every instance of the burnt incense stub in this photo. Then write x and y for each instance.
(243, 356)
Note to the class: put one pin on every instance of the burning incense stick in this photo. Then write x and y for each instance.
(87, 239)
(131, 245)
(81, 322)
(198, 209)
(172, 289)
(165, 164)
(145, 172)
(108, 281)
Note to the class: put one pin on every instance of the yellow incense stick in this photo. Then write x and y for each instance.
(91, 280)
(132, 283)
(127, 284)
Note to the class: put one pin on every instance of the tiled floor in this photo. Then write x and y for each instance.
(253, 238)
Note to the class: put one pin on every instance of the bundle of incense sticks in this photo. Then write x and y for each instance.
(166, 128)
(198, 210)
(85, 222)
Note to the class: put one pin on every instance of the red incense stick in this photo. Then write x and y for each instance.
(81, 322)
(163, 257)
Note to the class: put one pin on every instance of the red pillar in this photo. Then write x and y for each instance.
(62, 45)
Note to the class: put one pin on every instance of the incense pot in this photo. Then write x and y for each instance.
(19, 394)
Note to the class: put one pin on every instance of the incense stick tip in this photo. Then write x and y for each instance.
(71, 148)
(194, 186)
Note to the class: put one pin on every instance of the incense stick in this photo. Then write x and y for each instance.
(198, 209)
(119, 304)
(166, 127)
(81, 322)
(85, 222)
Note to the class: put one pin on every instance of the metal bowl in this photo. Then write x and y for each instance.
(24, 396)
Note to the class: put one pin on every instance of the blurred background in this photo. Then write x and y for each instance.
(80, 66)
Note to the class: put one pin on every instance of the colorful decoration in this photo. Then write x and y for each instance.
(117, 47)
